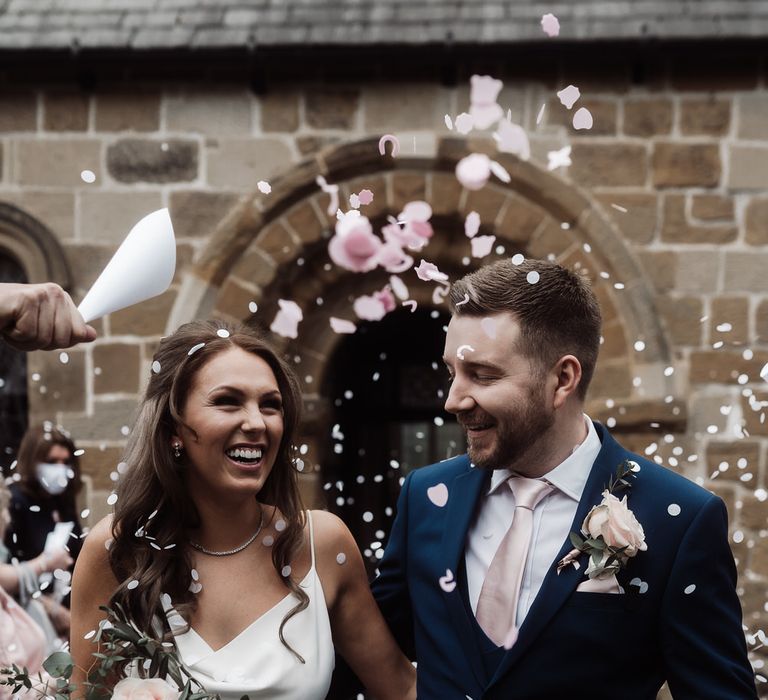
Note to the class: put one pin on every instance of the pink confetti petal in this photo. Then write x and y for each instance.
(428, 272)
(569, 95)
(365, 197)
(511, 138)
(582, 119)
(500, 171)
(464, 123)
(439, 294)
(447, 582)
(411, 304)
(484, 93)
(398, 287)
(438, 494)
(389, 138)
(264, 186)
(287, 319)
(482, 246)
(550, 24)
(474, 171)
(339, 325)
(416, 211)
(472, 224)
(332, 191)
(354, 246)
(369, 308)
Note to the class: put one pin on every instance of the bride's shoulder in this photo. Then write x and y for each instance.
(329, 529)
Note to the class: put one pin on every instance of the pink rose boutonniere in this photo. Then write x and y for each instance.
(610, 534)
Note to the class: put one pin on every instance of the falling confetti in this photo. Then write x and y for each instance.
(484, 92)
(156, 367)
(569, 95)
(464, 123)
(674, 509)
(551, 25)
(354, 201)
(512, 138)
(195, 348)
(473, 171)
(471, 224)
(411, 304)
(764, 372)
(332, 191)
(462, 349)
(465, 300)
(482, 245)
(399, 287)
(559, 159)
(448, 122)
(63, 358)
(88, 176)
(532, 277)
(447, 582)
(438, 494)
(618, 207)
(391, 139)
(341, 558)
(287, 319)
(365, 197)
(428, 272)
(439, 294)
(132, 585)
(540, 115)
(690, 589)
(500, 171)
(339, 325)
(264, 187)
(222, 333)
(582, 119)
(253, 307)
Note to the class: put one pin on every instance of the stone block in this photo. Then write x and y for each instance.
(644, 118)
(660, 267)
(99, 463)
(675, 227)
(686, 164)
(60, 386)
(756, 221)
(305, 223)
(110, 420)
(280, 111)
(56, 162)
(749, 167)
(753, 117)
(682, 318)
(197, 213)
(604, 295)
(754, 516)
(550, 240)
(603, 116)
(107, 217)
(144, 160)
(407, 186)
(488, 202)
(18, 111)
(238, 164)
(754, 411)
(146, 319)
(255, 267)
(731, 316)
(64, 111)
(745, 272)
(520, 219)
(331, 107)
(609, 164)
(279, 243)
(446, 192)
(215, 112)
(127, 111)
(733, 459)
(233, 300)
(724, 366)
(310, 144)
(640, 221)
(705, 116)
(712, 207)
(390, 108)
(56, 210)
(697, 271)
(761, 322)
(611, 380)
(376, 184)
(86, 261)
(614, 344)
(116, 368)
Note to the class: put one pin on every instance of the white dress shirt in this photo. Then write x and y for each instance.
(552, 520)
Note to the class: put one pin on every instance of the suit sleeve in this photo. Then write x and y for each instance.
(702, 639)
(390, 588)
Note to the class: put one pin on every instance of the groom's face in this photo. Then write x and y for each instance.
(498, 395)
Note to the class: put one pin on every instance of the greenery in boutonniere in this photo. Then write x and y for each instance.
(121, 644)
(610, 534)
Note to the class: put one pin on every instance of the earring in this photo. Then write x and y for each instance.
(177, 450)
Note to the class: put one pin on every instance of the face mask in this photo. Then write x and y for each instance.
(53, 477)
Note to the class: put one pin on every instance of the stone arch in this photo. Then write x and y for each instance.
(34, 246)
(273, 246)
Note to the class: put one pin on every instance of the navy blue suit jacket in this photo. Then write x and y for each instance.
(574, 644)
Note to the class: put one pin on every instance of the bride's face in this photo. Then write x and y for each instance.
(234, 414)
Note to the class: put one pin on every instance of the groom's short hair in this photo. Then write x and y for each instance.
(556, 308)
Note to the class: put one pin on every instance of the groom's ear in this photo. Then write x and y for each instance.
(567, 371)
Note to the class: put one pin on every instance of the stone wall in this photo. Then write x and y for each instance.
(675, 174)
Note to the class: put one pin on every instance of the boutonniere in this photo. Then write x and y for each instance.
(610, 534)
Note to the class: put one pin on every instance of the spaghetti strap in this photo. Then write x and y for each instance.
(311, 537)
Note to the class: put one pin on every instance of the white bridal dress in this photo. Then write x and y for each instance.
(256, 663)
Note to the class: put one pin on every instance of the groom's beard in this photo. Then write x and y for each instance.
(513, 435)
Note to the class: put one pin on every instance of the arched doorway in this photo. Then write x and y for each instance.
(387, 385)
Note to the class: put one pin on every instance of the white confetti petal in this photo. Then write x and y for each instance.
(438, 494)
(690, 589)
(341, 558)
(532, 277)
(582, 119)
(569, 95)
(264, 186)
(88, 176)
(674, 509)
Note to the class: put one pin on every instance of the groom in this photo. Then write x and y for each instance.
(470, 583)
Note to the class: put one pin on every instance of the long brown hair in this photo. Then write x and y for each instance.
(154, 511)
(34, 449)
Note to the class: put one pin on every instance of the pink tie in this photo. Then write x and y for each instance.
(497, 605)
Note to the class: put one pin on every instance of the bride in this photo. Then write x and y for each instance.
(208, 535)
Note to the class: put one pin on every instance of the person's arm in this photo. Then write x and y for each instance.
(9, 575)
(40, 317)
(92, 585)
(359, 632)
(702, 639)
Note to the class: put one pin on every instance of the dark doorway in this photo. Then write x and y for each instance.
(13, 380)
(387, 385)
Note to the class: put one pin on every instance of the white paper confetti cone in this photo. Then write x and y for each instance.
(142, 268)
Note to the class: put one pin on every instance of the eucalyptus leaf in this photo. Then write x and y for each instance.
(59, 664)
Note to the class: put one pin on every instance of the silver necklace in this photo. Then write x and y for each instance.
(228, 552)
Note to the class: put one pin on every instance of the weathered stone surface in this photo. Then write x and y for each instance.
(55, 209)
(754, 515)
(705, 409)
(56, 162)
(614, 343)
(755, 410)
(376, 184)
(708, 116)
(116, 368)
(196, 213)
(99, 463)
(756, 221)
(753, 116)
(233, 300)
(712, 207)
(64, 111)
(107, 422)
(142, 160)
(676, 228)
(331, 108)
(652, 117)
(725, 457)
(123, 111)
(761, 322)
(390, 108)
(146, 319)
(407, 186)
(660, 267)
(733, 312)
(749, 167)
(745, 272)
(446, 192)
(686, 164)
(609, 165)
(697, 271)
(279, 243)
(217, 112)
(639, 222)
(18, 111)
(86, 260)
(644, 416)
(682, 318)
(280, 111)
(107, 217)
(550, 239)
(312, 144)
(603, 116)
(611, 380)
(724, 366)
(520, 219)
(238, 164)
(255, 267)
(59, 387)
(305, 223)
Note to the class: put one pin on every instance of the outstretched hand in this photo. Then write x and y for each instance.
(40, 317)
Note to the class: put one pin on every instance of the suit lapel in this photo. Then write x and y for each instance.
(464, 492)
(556, 588)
